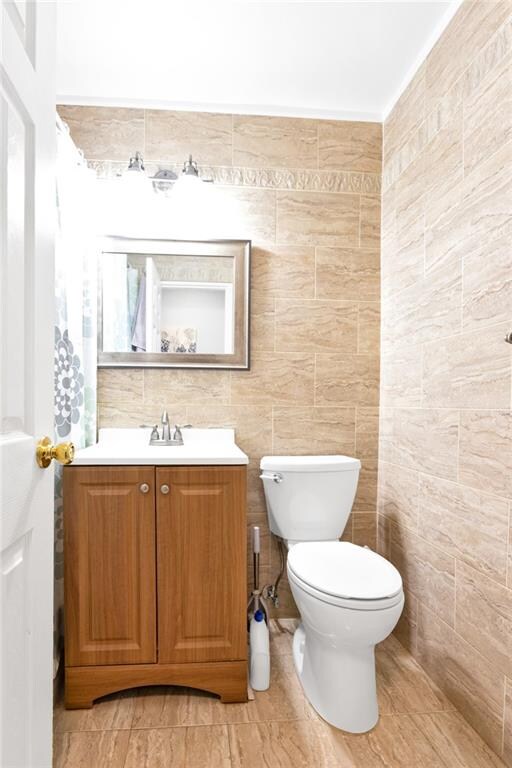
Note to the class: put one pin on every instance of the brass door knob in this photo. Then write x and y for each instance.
(64, 453)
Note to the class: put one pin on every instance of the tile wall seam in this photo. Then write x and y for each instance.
(357, 330)
(459, 428)
(318, 299)
(504, 715)
(456, 557)
(275, 324)
(492, 40)
(505, 410)
(455, 599)
(276, 217)
(499, 672)
(431, 546)
(484, 326)
(402, 525)
(418, 473)
(437, 339)
(496, 496)
(463, 147)
(478, 572)
(359, 231)
(315, 271)
(461, 637)
(416, 133)
(421, 472)
(232, 140)
(475, 650)
(314, 379)
(422, 374)
(507, 578)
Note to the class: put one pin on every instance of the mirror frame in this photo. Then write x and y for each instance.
(239, 250)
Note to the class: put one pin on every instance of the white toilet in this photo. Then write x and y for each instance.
(349, 597)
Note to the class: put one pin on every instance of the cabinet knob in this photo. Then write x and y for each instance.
(164, 489)
(144, 488)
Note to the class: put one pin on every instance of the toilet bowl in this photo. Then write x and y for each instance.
(349, 597)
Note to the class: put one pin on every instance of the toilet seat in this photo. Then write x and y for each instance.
(344, 574)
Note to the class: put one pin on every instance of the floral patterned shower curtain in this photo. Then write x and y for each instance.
(75, 326)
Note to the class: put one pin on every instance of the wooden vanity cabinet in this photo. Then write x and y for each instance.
(110, 565)
(155, 579)
(201, 556)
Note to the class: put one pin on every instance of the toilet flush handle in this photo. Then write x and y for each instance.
(275, 476)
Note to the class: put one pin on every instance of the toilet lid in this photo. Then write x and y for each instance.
(344, 570)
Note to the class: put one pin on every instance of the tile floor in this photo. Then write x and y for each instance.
(179, 728)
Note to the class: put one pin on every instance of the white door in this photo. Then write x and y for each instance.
(27, 215)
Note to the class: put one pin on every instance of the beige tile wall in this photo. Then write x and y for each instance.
(309, 198)
(445, 472)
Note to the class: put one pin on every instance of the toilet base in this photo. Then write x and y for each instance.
(339, 682)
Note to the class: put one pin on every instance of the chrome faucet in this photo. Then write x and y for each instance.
(166, 427)
(166, 438)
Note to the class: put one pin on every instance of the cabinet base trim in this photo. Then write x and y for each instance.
(227, 679)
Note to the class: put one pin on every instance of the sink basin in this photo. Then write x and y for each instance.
(131, 446)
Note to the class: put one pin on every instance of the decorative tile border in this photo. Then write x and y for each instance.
(266, 178)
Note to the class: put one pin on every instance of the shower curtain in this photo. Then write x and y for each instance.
(75, 327)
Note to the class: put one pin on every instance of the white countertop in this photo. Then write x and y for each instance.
(131, 446)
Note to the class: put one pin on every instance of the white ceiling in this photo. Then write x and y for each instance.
(300, 58)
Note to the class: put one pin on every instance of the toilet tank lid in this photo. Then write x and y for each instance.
(309, 463)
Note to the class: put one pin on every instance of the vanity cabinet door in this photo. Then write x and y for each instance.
(109, 540)
(201, 564)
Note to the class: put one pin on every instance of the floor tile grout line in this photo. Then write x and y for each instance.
(316, 717)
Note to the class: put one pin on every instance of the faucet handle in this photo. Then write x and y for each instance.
(177, 430)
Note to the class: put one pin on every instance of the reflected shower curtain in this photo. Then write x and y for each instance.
(75, 327)
(116, 323)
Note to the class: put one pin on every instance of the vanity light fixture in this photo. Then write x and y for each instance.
(164, 177)
(190, 168)
(190, 173)
(135, 174)
(136, 164)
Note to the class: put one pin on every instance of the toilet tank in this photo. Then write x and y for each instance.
(309, 498)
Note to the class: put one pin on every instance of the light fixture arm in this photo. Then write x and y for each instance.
(190, 167)
(136, 163)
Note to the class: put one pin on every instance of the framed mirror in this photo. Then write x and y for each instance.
(173, 303)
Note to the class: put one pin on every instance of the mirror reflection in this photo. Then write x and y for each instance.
(167, 303)
(191, 304)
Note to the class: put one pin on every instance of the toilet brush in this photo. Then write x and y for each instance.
(256, 601)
